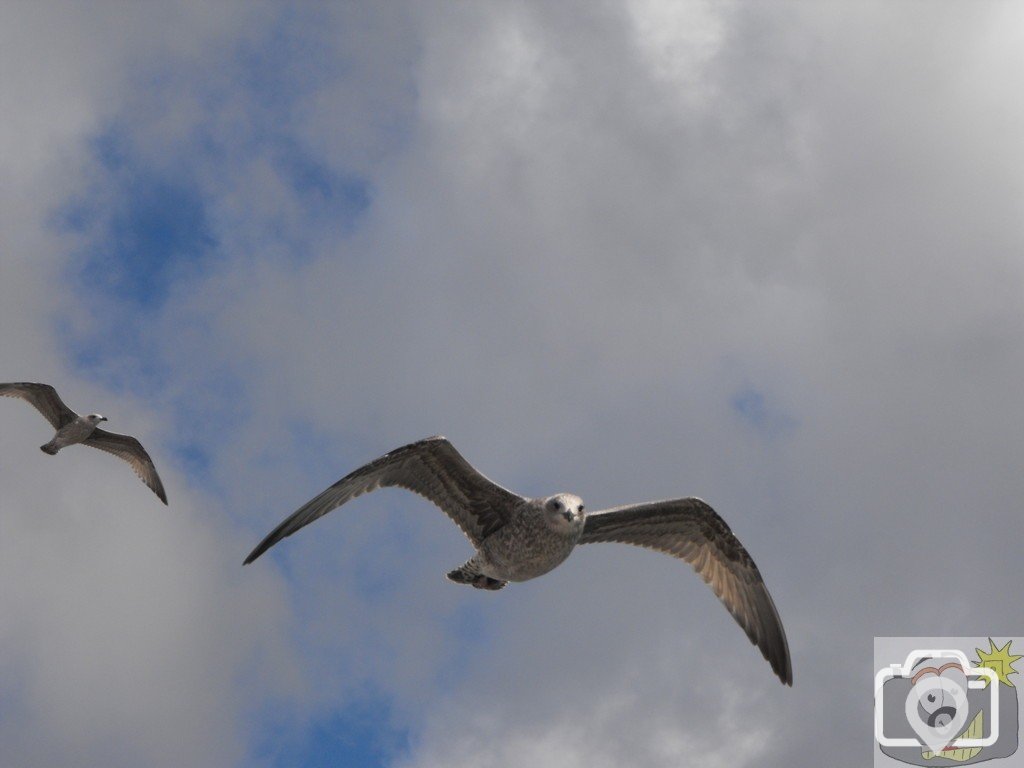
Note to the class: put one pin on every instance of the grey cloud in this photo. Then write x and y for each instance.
(586, 241)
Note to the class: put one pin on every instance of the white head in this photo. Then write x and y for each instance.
(564, 511)
(95, 418)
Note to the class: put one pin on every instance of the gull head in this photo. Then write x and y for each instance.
(563, 511)
(95, 418)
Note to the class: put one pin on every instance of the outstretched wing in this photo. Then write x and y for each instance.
(131, 450)
(44, 398)
(433, 469)
(691, 530)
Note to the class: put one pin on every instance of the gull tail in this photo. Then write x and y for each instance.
(50, 448)
(468, 574)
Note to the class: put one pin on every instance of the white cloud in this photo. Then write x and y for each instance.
(605, 732)
(126, 626)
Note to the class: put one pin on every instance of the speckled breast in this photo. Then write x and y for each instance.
(526, 549)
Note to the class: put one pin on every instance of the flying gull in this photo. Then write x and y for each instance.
(517, 538)
(72, 428)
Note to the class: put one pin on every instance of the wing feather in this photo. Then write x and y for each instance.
(44, 398)
(692, 531)
(431, 468)
(131, 450)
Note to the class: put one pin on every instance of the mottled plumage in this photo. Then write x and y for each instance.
(692, 531)
(518, 539)
(72, 429)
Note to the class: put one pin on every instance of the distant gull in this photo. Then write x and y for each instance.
(519, 539)
(72, 428)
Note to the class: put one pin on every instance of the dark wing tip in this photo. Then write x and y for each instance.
(763, 628)
(780, 661)
(270, 540)
(762, 625)
(787, 676)
(784, 669)
(260, 549)
(772, 641)
(147, 473)
(152, 479)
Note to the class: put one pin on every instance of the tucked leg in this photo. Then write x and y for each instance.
(468, 574)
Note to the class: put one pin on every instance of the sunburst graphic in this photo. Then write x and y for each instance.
(999, 660)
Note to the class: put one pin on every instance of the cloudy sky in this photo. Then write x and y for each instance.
(770, 256)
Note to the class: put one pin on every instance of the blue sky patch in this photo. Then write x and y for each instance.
(759, 412)
(328, 191)
(161, 224)
(142, 225)
(362, 734)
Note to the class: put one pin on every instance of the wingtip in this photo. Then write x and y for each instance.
(784, 671)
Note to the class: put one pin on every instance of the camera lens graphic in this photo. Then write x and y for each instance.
(937, 703)
(940, 718)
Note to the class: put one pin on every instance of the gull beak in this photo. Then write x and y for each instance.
(568, 515)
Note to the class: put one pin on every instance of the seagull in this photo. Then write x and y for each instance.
(72, 428)
(518, 539)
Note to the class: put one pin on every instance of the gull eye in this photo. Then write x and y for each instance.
(558, 505)
(581, 508)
